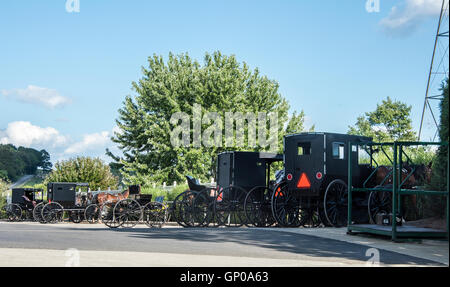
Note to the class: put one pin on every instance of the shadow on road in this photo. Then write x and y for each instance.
(273, 240)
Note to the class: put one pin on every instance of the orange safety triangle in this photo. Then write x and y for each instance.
(303, 181)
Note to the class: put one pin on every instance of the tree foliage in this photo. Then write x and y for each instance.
(15, 162)
(3, 188)
(391, 121)
(221, 84)
(296, 123)
(439, 179)
(84, 169)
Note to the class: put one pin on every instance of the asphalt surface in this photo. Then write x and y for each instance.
(228, 242)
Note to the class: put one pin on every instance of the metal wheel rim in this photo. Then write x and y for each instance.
(92, 217)
(130, 218)
(230, 213)
(37, 212)
(385, 206)
(286, 207)
(203, 209)
(107, 216)
(14, 212)
(259, 207)
(329, 216)
(53, 215)
(155, 214)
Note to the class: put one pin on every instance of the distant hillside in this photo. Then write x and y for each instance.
(15, 162)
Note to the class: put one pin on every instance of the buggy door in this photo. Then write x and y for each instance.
(304, 158)
(224, 169)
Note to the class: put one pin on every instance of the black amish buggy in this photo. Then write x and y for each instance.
(65, 197)
(315, 183)
(23, 203)
(244, 188)
(239, 173)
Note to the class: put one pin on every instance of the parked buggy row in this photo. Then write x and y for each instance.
(310, 190)
(76, 203)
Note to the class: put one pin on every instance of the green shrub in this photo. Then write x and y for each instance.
(168, 195)
(84, 169)
(3, 188)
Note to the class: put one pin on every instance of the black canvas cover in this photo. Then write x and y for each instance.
(18, 193)
(244, 169)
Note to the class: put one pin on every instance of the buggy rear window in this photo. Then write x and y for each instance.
(303, 148)
(338, 150)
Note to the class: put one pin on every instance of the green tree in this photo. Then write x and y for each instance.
(296, 123)
(83, 169)
(3, 186)
(221, 84)
(391, 121)
(45, 163)
(439, 178)
(3, 174)
(11, 162)
(15, 162)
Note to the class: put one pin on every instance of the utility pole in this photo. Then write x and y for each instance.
(437, 74)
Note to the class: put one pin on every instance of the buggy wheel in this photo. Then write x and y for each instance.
(128, 212)
(37, 212)
(186, 204)
(335, 203)
(76, 216)
(257, 206)
(13, 212)
(92, 213)
(52, 212)
(286, 207)
(155, 214)
(379, 202)
(202, 210)
(107, 215)
(177, 208)
(229, 206)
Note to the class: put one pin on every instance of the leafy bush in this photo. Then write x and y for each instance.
(3, 188)
(168, 195)
(84, 169)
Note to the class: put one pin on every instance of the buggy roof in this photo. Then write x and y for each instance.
(27, 189)
(268, 157)
(364, 138)
(271, 157)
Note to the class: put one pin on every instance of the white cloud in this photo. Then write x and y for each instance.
(60, 147)
(49, 98)
(25, 134)
(403, 19)
(89, 142)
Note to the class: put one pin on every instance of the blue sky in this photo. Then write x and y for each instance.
(63, 76)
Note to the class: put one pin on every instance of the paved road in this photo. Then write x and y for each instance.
(35, 244)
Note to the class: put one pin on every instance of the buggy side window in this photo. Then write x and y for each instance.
(303, 148)
(338, 150)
